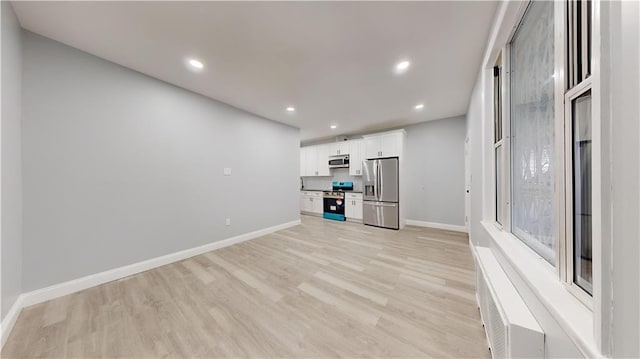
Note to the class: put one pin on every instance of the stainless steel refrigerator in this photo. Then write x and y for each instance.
(381, 193)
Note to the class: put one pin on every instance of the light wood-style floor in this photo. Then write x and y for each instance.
(321, 289)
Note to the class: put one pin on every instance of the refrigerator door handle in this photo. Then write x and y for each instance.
(383, 204)
(378, 180)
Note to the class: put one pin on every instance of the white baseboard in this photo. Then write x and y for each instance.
(76, 285)
(446, 227)
(10, 319)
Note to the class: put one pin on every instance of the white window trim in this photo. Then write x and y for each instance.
(505, 142)
(564, 246)
(567, 239)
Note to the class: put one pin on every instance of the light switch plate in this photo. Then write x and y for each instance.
(227, 171)
(228, 222)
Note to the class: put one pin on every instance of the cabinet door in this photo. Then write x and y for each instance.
(322, 160)
(338, 148)
(357, 210)
(317, 205)
(303, 162)
(310, 161)
(356, 153)
(372, 147)
(353, 209)
(390, 145)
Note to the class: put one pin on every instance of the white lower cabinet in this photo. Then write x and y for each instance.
(311, 202)
(353, 206)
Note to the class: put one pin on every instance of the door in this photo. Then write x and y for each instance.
(339, 148)
(387, 180)
(356, 151)
(305, 203)
(381, 214)
(353, 209)
(309, 161)
(467, 184)
(372, 147)
(390, 145)
(370, 180)
(322, 160)
(317, 205)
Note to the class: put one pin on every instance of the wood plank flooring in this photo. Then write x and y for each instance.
(320, 289)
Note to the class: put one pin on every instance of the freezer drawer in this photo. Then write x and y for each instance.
(381, 214)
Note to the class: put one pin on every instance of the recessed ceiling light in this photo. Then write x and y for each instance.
(402, 66)
(291, 109)
(333, 127)
(419, 106)
(195, 64)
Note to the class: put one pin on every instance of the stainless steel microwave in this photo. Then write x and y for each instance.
(341, 161)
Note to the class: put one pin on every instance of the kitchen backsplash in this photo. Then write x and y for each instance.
(337, 174)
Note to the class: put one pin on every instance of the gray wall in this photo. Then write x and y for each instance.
(434, 169)
(120, 167)
(11, 161)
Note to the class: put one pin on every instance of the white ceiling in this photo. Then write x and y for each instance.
(333, 61)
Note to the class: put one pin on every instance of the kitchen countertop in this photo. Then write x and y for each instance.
(322, 190)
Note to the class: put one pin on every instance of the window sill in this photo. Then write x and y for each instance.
(570, 313)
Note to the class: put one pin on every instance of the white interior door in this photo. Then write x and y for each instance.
(467, 184)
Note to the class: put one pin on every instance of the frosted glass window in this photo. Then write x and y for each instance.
(532, 131)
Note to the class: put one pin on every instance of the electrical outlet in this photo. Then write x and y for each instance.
(227, 171)
(228, 222)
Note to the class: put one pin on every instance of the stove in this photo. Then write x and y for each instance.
(334, 200)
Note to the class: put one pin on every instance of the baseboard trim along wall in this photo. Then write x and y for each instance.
(446, 227)
(76, 285)
(10, 319)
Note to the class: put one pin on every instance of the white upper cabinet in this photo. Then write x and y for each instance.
(388, 144)
(314, 160)
(356, 155)
(372, 146)
(303, 161)
(339, 148)
(322, 160)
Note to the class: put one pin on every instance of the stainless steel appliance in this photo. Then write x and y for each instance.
(381, 207)
(340, 161)
(333, 200)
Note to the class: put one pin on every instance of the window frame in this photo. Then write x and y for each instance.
(587, 299)
(559, 88)
(503, 144)
(571, 92)
(563, 151)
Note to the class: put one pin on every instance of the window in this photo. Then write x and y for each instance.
(543, 135)
(532, 121)
(578, 160)
(581, 193)
(498, 143)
